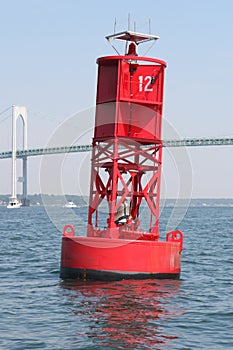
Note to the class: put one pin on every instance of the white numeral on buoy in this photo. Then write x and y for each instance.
(144, 82)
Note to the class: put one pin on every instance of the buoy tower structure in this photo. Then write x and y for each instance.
(122, 238)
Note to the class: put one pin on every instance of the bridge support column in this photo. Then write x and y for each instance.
(25, 200)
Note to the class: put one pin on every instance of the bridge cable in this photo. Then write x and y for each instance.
(5, 110)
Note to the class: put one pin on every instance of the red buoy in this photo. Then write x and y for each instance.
(125, 175)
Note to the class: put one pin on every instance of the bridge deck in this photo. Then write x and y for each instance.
(227, 141)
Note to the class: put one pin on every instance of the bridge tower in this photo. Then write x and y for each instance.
(18, 112)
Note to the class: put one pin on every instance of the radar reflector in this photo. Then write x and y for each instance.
(137, 38)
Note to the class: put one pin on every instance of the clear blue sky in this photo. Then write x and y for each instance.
(47, 63)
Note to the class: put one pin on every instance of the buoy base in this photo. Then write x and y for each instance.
(116, 259)
(86, 274)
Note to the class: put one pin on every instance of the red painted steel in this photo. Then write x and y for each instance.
(128, 256)
(128, 117)
(129, 98)
(124, 165)
(125, 174)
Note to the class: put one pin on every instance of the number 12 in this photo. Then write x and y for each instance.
(144, 82)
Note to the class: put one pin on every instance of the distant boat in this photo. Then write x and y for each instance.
(14, 203)
(70, 204)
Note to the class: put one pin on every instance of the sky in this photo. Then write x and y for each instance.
(48, 64)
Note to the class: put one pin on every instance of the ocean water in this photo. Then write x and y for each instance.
(40, 311)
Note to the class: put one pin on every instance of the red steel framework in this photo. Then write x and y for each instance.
(127, 145)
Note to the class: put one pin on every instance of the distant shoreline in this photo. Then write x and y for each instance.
(60, 200)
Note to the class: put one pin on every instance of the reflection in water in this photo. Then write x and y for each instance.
(125, 314)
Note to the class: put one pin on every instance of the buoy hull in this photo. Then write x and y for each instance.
(115, 259)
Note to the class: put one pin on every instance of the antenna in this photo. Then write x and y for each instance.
(115, 26)
(128, 21)
(149, 26)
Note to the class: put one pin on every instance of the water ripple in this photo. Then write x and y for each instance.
(38, 311)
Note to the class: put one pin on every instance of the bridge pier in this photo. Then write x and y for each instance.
(25, 201)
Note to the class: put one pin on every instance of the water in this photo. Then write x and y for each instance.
(39, 311)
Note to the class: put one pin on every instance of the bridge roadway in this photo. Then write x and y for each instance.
(226, 141)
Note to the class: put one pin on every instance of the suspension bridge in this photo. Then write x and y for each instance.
(189, 142)
(25, 153)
